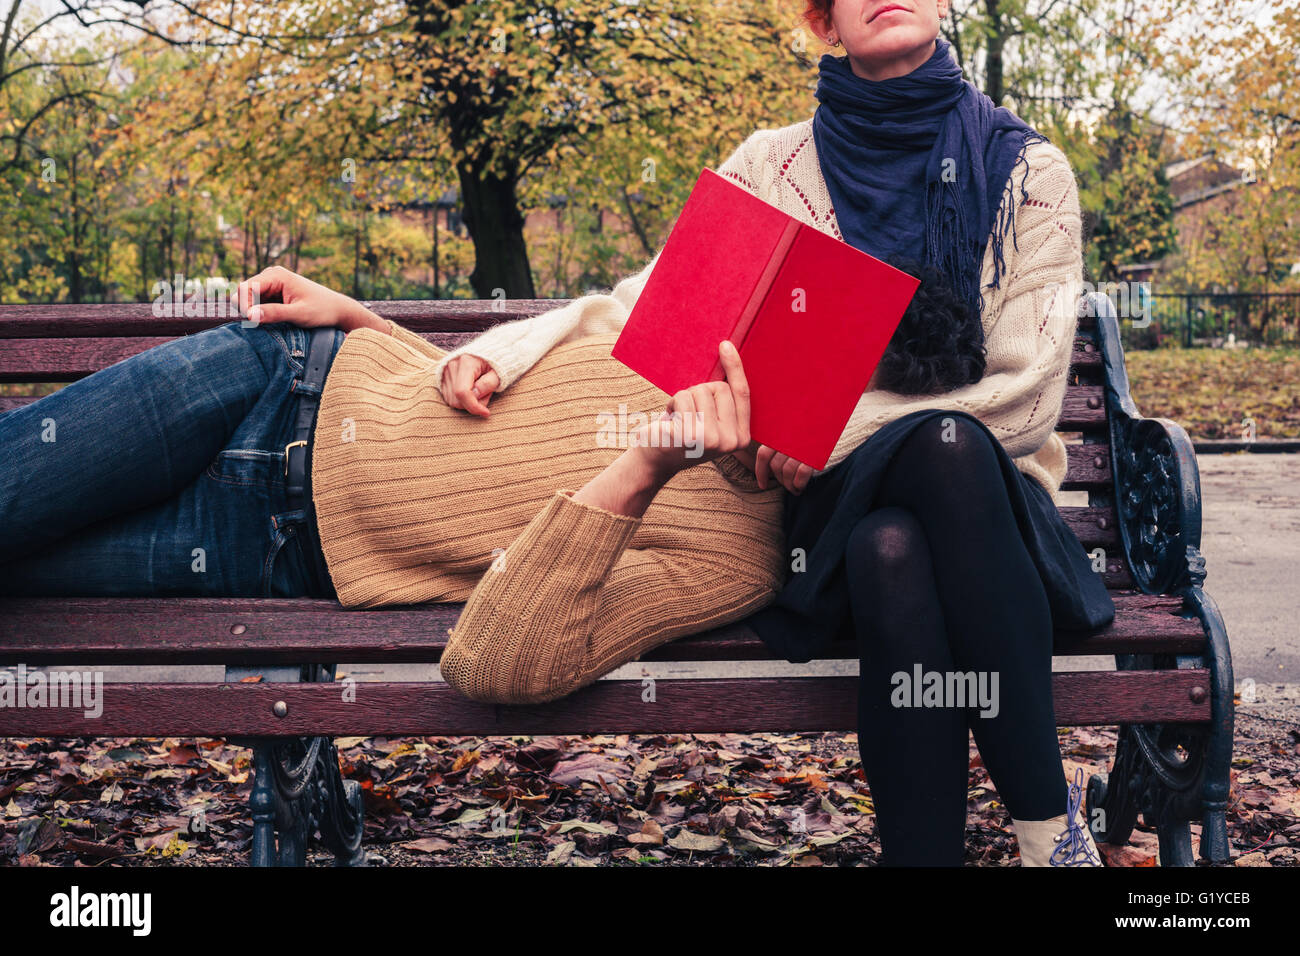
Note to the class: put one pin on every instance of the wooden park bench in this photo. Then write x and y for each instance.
(1171, 693)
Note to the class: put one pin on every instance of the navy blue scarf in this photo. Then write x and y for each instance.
(917, 166)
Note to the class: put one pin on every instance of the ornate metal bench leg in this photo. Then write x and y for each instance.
(1214, 837)
(293, 843)
(1159, 771)
(262, 802)
(283, 771)
(298, 789)
(1176, 773)
(294, 767)
(339, 809)
(282, 801)
(1218, 746)
(1112, 803)
(1175, 844)
(342, 814)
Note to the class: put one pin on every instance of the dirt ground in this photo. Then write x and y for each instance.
(688, 800)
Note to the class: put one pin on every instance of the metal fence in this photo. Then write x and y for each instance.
(1215, 320)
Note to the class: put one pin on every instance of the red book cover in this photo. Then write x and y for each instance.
(810, 315)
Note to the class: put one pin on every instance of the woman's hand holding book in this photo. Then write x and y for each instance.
(792, 475)
(700, 423)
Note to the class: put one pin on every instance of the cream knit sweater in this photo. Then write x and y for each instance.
(1029, 320)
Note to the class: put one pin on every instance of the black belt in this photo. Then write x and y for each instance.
(297, 454)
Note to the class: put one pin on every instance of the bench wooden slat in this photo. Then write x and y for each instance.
(66, 321)
(65, 359)
(420, 315)
(248, 630)
(725, 705)
(1087, 467)
(1085, 357)
(1083, 410)
(8, 402)
(1094, 527)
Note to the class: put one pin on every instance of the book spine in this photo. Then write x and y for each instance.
(761, 288)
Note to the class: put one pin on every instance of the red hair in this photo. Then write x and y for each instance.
(817, 12)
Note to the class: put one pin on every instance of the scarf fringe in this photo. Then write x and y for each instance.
(1006, 219)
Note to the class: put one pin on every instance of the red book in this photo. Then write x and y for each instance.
(810, 315)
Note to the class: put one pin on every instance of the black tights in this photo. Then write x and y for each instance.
(939, 576)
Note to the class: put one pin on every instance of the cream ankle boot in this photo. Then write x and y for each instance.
(1056, 842)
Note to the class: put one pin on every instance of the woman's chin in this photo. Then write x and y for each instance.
(889, 42)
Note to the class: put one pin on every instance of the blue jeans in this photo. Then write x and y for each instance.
(161, 475)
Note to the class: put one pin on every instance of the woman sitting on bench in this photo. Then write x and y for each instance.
(581, 527)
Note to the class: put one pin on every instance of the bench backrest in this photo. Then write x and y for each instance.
(61, 343)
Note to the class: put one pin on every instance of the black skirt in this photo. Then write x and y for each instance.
(812, 609)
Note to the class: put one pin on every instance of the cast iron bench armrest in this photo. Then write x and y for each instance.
(1157, 482)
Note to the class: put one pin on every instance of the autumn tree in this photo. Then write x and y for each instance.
(1244, 108)
(1129, 209)
(621, 95)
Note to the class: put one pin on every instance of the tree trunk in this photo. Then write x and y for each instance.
(436, 277)
(993, 82)
(75, 291)
(144, 268)
(356, 260)
(637, 228)
(496, 226)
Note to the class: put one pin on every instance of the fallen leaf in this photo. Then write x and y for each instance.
(698, 842)
(430, 844)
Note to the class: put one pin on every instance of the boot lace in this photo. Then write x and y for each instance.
(1073, 848)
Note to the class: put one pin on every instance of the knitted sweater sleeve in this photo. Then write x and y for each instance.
(569, 601)
(1029, 323)
(512, 348)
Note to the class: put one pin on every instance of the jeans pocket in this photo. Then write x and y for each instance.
(250, 467)
(285, 570)
(292, 340)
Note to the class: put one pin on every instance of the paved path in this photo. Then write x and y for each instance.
(1251, 541)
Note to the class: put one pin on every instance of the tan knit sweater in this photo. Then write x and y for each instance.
(416, 501)
(1029, 321)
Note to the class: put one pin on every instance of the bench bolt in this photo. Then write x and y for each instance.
(280, 708)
